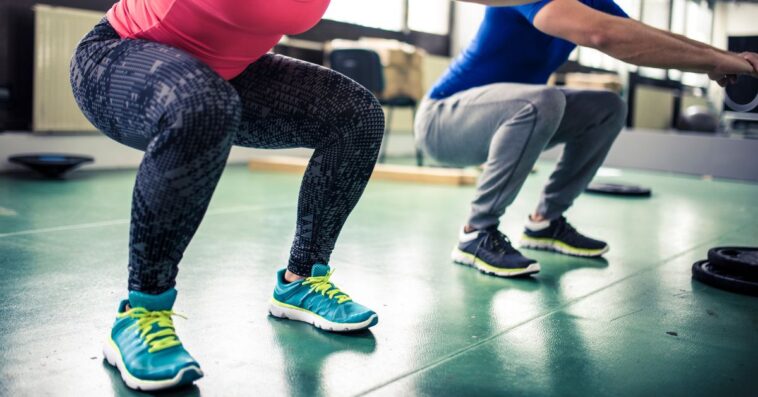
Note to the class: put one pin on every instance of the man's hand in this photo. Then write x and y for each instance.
(752, 57)
(723, 79)
(730, 65)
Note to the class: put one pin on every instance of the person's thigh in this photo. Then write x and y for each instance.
(291, 103)
(586, 109)
(131, 90)
(458, 130)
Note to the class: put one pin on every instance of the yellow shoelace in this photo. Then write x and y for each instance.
(159, 340)
(322, 285)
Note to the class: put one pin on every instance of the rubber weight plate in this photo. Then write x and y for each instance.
(740, 260)
(706, 273)
(743, 95)
(616, 189)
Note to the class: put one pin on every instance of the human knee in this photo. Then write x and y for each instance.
(618, 109)
(546, 106)
(214, 102)
(549, 104)
(212, 111)
(614, 114)
(367, 115)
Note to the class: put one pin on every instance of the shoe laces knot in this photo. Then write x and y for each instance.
(564, 228)
(156, 327)
(323, 286)
(496, 240)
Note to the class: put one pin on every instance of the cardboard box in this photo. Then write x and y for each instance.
(594, 81)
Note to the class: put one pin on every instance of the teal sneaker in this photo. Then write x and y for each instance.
(143, 345)
(315, 300)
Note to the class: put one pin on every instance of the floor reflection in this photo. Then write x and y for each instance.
(305, 368)
(504, 354)
(120, 389)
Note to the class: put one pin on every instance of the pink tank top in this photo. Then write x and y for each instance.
(227, 35)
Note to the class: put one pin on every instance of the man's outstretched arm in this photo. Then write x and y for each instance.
(635, 42)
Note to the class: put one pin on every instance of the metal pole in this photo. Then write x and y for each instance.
(406, 28)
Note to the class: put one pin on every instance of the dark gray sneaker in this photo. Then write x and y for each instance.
(491, 252)
(561, 237)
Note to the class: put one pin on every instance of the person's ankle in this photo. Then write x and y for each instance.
(468, 229)
(537, 217)
(290, 277)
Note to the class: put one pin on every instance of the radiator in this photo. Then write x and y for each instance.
(57, 32)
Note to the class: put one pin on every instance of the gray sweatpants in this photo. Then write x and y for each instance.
(506, 127)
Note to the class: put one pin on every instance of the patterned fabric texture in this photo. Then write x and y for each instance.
(186, 118)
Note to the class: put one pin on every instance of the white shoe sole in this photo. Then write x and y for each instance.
(113, 357)
(282, 310)
(557, 246)
(467, 259)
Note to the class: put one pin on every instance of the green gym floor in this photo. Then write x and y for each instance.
(632, 324)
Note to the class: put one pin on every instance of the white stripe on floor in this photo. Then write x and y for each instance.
(220, 211)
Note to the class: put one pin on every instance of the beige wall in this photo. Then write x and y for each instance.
(653, 108)
(57, 33)
(433, 67)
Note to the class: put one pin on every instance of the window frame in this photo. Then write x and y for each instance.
(432, 43)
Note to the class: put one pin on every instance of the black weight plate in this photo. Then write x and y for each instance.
(735, 259)
(616, 189)
(704, 272)
(742, 96)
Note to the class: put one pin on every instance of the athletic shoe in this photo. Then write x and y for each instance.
(143, 345)
(315, 300)
(491, 252)
(560, 236)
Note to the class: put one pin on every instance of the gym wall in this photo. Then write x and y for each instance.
(17, 47)
(17, 53)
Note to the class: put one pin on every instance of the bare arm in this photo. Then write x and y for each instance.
(635, 42)
(500, 2)
(721, 79)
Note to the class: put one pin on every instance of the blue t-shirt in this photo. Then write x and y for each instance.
(509, 49)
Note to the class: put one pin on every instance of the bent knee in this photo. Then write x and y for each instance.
(618, 109)
(548, 99)
(611, 112)
(549, 104)
(213, 110)
(367, 114)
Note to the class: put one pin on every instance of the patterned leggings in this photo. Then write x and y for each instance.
(186, 118)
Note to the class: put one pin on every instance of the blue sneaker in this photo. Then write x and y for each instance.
(143, 345)
(315, 300)
(560, 236)
(491, 252)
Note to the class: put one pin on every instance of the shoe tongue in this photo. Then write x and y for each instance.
(493, 230)
(319, 270)
(164, 301)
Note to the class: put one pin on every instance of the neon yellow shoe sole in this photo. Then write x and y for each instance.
(549, 244)
(467, 259)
